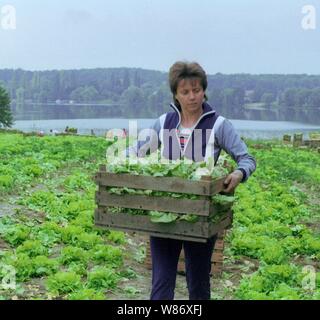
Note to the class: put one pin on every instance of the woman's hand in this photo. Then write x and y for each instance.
(232, 181)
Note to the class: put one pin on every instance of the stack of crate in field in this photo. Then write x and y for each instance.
(314, 141)
(297, 141)
(287, 139)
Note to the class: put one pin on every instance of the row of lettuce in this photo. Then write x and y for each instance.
(51, 236)
(271, 224)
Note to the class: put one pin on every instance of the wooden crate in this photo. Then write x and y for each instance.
(315, 143)
(287, 139)
(216, 259)
(199, 231)
(314, 136)
(297, 139)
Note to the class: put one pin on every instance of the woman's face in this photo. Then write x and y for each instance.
(190, 95)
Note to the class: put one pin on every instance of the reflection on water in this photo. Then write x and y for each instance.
(60, 111)
(247, 128)
(65, 111)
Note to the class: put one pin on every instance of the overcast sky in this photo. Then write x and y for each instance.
(228, 36)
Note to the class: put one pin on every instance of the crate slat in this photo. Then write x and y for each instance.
(216, 269)
(139, 222)
(222, 225)
(219, 245)
(160, 235)
(217, 257)
(165, 204)
(199, 231)
(167, 184)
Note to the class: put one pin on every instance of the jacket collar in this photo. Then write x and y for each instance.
(207, 109)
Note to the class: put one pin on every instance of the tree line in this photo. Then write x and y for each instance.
(135, 92)
(6, 119)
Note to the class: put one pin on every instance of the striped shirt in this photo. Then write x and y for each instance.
(184, 135)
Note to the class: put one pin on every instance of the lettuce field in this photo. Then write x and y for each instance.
(50, 249)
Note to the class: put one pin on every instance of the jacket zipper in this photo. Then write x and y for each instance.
(177, 110)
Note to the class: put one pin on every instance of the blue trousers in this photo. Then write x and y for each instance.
(165, 256)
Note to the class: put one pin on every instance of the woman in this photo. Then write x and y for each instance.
(195, 131)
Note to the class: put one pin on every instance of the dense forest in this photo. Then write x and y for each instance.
(132, 92)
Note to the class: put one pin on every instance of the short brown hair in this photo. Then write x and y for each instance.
(186, 70)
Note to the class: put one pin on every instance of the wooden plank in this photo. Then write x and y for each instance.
(165, 204)
(199, 231)
(219, 216)
(218, 185)
(314, 143)
(221, 235)
(143, 223)
(217, 209)
(217, 265)
(219, 245)
(155, 234)
(216, 270)
(217, 257)
(166, 184)
(222, 225)
(148, 233)
(175, 236)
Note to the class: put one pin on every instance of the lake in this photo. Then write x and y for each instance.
(247, 128)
